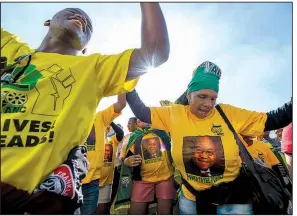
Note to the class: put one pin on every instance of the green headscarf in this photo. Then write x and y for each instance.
(206, 76)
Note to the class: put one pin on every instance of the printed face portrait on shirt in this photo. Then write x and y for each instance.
(203, 155)
(108, 153)
(151, 148)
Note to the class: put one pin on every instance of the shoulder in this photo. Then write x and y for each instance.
(103, 58)
(12, 47)
(228, 107)
(177, 109)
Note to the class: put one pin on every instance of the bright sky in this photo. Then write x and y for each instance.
(250, 42)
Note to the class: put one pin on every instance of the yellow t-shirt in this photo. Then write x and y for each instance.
(155, 165)
(204, 150)
(107, 171)
(51, 108)
(96, 150)
(260, 150)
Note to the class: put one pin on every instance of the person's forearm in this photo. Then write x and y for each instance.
(118, 131)
(155, 47)
(154, 34)
(142, 112)
(279, 118)
(120, 104)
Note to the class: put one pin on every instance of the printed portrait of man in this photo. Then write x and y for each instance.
(204, 156)
(151, 148)
(108, 153)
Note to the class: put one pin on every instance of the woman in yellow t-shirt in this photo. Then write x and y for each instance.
(203, 148)
(152, 173)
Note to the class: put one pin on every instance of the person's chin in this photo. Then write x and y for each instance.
(203, 166)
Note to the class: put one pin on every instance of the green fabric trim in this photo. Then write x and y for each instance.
(138, 132)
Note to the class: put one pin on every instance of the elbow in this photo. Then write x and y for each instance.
(123, 105)
(163, 54)
(156, 54)
(120, 137)
(146, 120)
(121, 134)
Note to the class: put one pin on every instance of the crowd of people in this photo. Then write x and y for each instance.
(59, 157)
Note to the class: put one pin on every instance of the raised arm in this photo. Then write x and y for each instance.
(155, 47)
(120, 104)
(140, 110)
(118, 131)
(279, 118)
(112, 112)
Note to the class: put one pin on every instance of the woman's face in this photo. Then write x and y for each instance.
(202, 101)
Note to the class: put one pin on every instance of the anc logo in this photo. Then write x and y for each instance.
(12, 102)
(125, 181)
(217, 129)
(58, 82)
(28, 80)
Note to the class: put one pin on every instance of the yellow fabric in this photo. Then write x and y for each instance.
(52, 107)
(153, 168)
(282, 155)
(269, 145)
(210, 136)
(96, 156)
(165, 103)
(111, 145)
(260, 150)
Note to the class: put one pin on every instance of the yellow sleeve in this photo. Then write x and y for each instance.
(160, 117)
(108, 115)
(12, 47)
(245, 122)
(111, 73)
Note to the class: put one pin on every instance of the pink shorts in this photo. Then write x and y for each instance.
(145, 191)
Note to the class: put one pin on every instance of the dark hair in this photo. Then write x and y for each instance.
(134, 119)
(182, 99)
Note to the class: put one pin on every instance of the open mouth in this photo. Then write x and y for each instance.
(203, 112)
